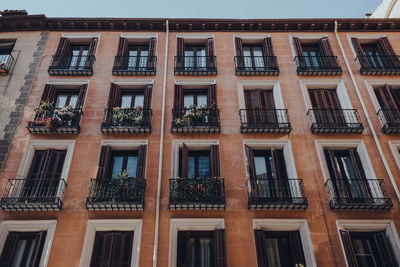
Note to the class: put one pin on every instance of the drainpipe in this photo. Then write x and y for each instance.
(160, 159)
(378, 145)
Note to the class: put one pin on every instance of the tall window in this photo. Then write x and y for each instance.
(195, 56)
(61, 97)
(326, 105)
(6, 48)
(260, 107)
(66, 98)
(194, 97)
(199, 163)
(253, 56)
(135, 56)
(311, 53)
(79, 53)
(132, 99)
(124, 161)
(372, 55)
(138, 55)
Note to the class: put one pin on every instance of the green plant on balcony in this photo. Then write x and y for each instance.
(65, 114)
(193, 115)
(200, 189)
(120, 116)
(44, 110)
(299, 265)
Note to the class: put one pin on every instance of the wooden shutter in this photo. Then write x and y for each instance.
(296, 248)
(178, 100)
(214, 160)
(184, 161)
(122, 53)
(348, 248)
(251, 169)
(147, 96)
(210, 53)
(54, 164)
(326, 51)
(385, 97)
(152, 53)
(357, 163)
(91, 52)
(61, 53)
(390, 59)
(219, 248)
(359, 52)
(121, 249)
(9, 249)
(114, 97)
(102, 249)
(81, 96)
(334, 172)
(180, 52)
(260, 248)
(104, 165)
(266, 99)
(183, 252)
(299, 51)
(267, 47)
(239, 53)
(40, 238)
(141, 165)
(384, 249)
(212, 96)
(278, 160)
(49, 93)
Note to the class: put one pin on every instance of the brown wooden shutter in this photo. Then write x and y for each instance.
(49, 93)
(180, 52)
(210, 53)
(121, 249)
(114, 97)
(9, 249)
(359, 52)
(239, 53)
(61, 52)
(104, 165)
(212, 96)
(152, 53)
(266, 99)
(348, 248)
(385, 249)
(184, 161)
(102, 249)
(54, 164)
(260, 248)
(219, 248)
(178, 100)
(267, 47)
(326, 51)
(122, 53)
(357, 163)
(38, 248)
(251, 169)
(385, 97)
(296, 248)
(214, 160)
(81, 96)
(91, 52)
(147, 96)
(335, 173)
(390, 59)
(183, 252)
(141, 165)
(299, 51)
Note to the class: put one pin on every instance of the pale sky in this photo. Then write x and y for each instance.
(236, 9)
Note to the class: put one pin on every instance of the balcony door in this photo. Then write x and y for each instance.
(312, 56)
(132, 99)
(66, 98)
(389, 100)
(195, 57)
(253, 57)
(78, 56)
(372, 56)
(138, 56)
(326, 107)
(124, 161)
(199, 163)
(260, 107)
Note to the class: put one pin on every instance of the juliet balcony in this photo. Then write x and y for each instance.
(390, 119)
(196, 65)
(116, 194)
(72, 65)
(195, 120)
(379, 65)
(197, 194)
(255, 66)
(33, 195)
(6, 62)
(264, 121)
(274, 194)
(327, 121)
(317, 65)
(126, 121)
(358, 194)
(134, 66)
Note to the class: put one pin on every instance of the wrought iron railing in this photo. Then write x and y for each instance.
(6, 61)
(264, 120)
(379, 65)
(318, 65)
(130, 65)
(116, 194)
(72, 65)
(40, 194)
(126, 120)
(269, 193)
(390, 119)
(335, 121)
(197, 193)
(248, 65)
(358, 194)
(195, 120)
(195, 65)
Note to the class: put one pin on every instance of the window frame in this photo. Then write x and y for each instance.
(125, 154)
(69, 93)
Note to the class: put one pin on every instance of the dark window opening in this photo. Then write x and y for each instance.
(138, 56)
(311, 53)
(196, 248)
(198, 164)
(372, 55)
(124, 161)
(195, 97)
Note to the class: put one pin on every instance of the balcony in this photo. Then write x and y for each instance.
(358, 194)
(126, 121)
(134, 66)
(317, 65)
(6, 62)
(272, 194)
(255, 66)
(33, 195)
(116, 194)
(197, 194)
(390, 119)
(72, 65)
(379, 65)
(195, 120)
(199, 65)
(264, 121)
(56, 121)
(328, 121)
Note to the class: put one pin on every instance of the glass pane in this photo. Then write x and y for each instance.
(4, 58)
(60, 101)
(188, 100)
(201, 100)
(73, 100)
(271, 245)
(131, 166)
(257, 51)
(126, 101)
(143, 58)
(246, 51)
(117, 166)
(30, 253)
(21, 246)
(192, 251)
(349, 167)
(191, 172)
(260, 166)
(139, 99)
(205, 252)
(133, 53)
(204, 166)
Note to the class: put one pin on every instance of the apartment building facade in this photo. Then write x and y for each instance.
(153, 142)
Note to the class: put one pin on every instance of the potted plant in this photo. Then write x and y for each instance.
(117, 115)
(65, 114)
(135, 116)
(44, 110)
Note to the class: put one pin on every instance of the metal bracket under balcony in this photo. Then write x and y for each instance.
(6, 62)
(256, 66)
(358, 194)
(328, 121)
(379, 65)
(195, 120)
(116, 194)
(390, 119)
(33, 195)
(272, 194)
(197, 194)
(72, 66)
(264, 121)
(134, 66)
(317, 65)
(197, 66)
(126, 121)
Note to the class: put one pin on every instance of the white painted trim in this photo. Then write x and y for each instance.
(251, 36)
(134, 225)
(394, 147)
(81, 36)
(138, 36)
(315, 37)
(300, 225)
(199, 36)
(195, 82)
(197, 224)
(124, 144)
(68, 82)
(132, 82)
(30, 226)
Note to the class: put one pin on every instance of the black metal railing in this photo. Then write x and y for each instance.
(335, 121)
(264, 121)
(247, 65)
(195, 65)
(358, 194)
(55, 123)
(379, 65)
(318, 65)
(197, 193)
(6, 61)
(33, 194)
(390, 119)
(126, 120)
(72, 65)
(195, 120)
(129, 65)
(116, 194)
(265, 193)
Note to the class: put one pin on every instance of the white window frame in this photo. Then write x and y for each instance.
(394, 147)
(134, 225)
(30, 226)
(312, 37)
(195, 224)
(300, 225)
(371, 226)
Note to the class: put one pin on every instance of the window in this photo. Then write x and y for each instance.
(137, 56)
(195, 248)
(255, 56)
(311, 55)
(195, 55)
(326, 105)
(124, 161)
(60, 96)
(130, 97)
(260, 107)
(193, 97)
(185, 97)
(199, 163)
(6, 58)
(66, 98)
(78, 56)
(389, 101)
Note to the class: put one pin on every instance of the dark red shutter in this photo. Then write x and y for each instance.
(102, 249)
(180, 52)
(299, 51)
(114, 97)
(60, 56)
(296, 248)
(278, 160)
(219, 248)
(183, 251)
(152, 53)
(49, 93)
(327, 53)
(147, 96)
(260, 248)
(359, 52)
(239, 53)
(81, 96)
(121, 249)
(348, 248)
(122, 53)
(251, 169)
(178, 98)
(141, 165)
(91, 52)
(210, 53)
(214, 160)
(104, 165)
(184, 161)
(385, 97)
